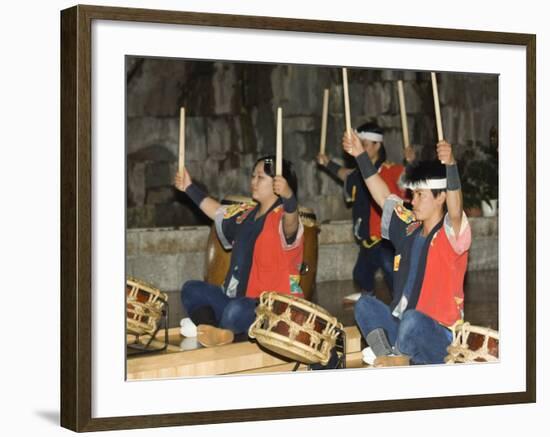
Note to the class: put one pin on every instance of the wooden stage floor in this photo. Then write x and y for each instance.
(186, 358)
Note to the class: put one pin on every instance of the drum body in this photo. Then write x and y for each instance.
(144, 307)
(473, 344)
(295, 328)
(218, 259)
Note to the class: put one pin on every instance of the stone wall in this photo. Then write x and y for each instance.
(230, 123)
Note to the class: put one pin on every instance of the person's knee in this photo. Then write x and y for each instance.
(189, 290)
(238, 315)
(364, 306)
(408, 331)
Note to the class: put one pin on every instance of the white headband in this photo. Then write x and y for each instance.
(430, 184)
(372, 136)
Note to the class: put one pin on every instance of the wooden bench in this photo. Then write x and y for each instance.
(236, 358)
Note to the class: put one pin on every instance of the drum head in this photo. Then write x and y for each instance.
(295, 328)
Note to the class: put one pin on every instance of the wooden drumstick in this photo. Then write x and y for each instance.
(437, 109)
(324, 123)
(279, 150)
(346, 101)
(181, 156)
(403, 110)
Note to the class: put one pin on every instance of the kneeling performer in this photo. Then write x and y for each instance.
(266, 239)
(431, 253)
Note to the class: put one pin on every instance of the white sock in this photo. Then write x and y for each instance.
(188, 328)
(368, 356)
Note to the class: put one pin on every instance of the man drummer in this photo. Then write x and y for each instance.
(431, 243)
(374, 252)
(266, 242)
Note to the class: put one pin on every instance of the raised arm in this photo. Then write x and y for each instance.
(183, 182)
(454, 191)
(337, 170)
(291, 220)
(376, 185)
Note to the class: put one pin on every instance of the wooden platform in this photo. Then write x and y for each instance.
(237, 358)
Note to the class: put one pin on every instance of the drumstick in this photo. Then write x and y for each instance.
(403, 110)
(346, 101)
(279, 151)
(181, 160)
(324, 123)
(437, 109)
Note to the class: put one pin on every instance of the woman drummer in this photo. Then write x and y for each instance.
(266, 240)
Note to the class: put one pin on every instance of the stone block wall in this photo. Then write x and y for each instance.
(230, 123)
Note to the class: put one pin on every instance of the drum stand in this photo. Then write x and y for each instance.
(138, 348)
(337, 357)
(340, 349)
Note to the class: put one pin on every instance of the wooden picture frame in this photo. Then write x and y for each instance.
(76, 217)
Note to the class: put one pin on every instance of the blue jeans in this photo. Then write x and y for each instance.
(379, 256)
(416, 335)
(235, 314)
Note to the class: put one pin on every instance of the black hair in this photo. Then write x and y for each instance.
(288, 171)
(421, 171)
(371, 126)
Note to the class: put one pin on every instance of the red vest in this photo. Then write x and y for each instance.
(442, 293)
(273, 267)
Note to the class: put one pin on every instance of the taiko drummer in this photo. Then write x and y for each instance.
(374, 252)
(431, 243)
(266, 240)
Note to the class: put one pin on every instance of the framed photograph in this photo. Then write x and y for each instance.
(147, 93)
